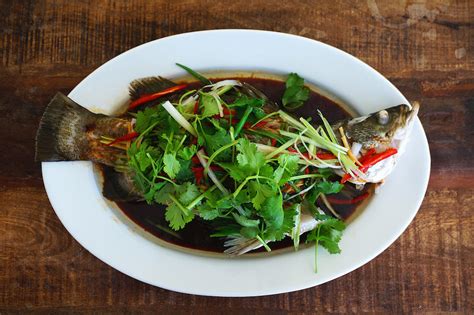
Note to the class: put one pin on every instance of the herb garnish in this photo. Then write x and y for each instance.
(219, 154)
(296, 93)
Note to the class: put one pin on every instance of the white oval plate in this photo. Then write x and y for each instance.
(75, 192)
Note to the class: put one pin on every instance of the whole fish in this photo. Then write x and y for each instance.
(69, 132)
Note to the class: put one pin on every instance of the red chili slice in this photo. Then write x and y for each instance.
(348, 201)
(154, 96)
(371, 161)
(127, 137)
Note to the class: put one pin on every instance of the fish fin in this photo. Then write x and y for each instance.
(60, 130)
(252, 91)
(240, 245)
(119, 186)
(149, 85)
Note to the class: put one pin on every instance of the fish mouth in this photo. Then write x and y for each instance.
(402, 133)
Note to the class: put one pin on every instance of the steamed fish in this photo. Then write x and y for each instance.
(225, 153)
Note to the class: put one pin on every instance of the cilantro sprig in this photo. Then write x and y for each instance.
(296, 93)
(264, 174)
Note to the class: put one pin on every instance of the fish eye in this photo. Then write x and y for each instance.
(383, 117)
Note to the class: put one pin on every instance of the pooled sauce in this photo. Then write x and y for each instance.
(196, 234)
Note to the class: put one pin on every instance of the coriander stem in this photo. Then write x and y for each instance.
(242, 121)
(265, 117)
(281, 148)
(236, 192)
(166, 179)
(200, 197)
(216, 153)
(263, 243)
(180, 206)
(304, 176)
(316, 250)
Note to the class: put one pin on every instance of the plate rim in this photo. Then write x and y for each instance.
(382, 247)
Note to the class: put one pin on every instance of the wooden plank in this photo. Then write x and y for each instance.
(425, 48)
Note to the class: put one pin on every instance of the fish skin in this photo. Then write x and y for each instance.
(370, 132)
(69, 132)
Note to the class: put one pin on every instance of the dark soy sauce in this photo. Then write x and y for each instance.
(196, 234)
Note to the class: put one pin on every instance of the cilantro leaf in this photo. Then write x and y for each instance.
(288, 165)
(161, 196)
(288, 223)
(209, 105)
(172, 165)
(261, 192)
(145, 118)
(327, 187)
(176, 213)
(249, 232)
(234, 170)
(187, 152)
(244, 101)
(249, 158)
(177, 218)
(272, 212)
(296, 93)
(328, 234)
(213, 138)
(185, 173)
(151, 115)
(207, 211)
(246, 222)
(187, 192)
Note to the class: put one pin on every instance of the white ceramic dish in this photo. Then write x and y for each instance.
(75, 192)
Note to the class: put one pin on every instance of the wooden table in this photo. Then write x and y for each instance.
(426, 50)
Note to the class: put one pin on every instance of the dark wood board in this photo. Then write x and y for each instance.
(426, 48)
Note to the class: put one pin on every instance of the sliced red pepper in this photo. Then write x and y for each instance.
(196, 107)
(195, 160)
(154, 96)
(198, 174)
(322, 156)
(273, 142)
(325, 156)
(348, 201)
(127, 137)
(371, 161)
(260, 124)
(367, 155)
(374, 159)
(227, 111)
(199, 171)
(212, 167)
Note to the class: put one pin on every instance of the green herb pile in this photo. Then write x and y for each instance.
(225, 154)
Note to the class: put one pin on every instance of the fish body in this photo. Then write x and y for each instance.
(69, 132)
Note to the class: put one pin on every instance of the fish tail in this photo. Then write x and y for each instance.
(69, 132)
(60, 135)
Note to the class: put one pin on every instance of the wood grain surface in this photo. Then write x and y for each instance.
(426, 48)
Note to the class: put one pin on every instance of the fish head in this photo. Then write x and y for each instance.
(380, 129)
(387, 128)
